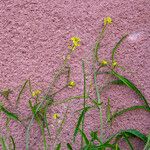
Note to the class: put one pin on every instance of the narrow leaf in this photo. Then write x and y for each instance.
(21, 91)
(128, 142)
(108, 110)
(120, 112)
(131, 86)
(69, 146)
(13, 142)
(3, 142)
(84, 137)
(147, 146)
(117, 46)
(58, 147)
(79, 122)
(94, 136)
(8, 113)
(137, 134)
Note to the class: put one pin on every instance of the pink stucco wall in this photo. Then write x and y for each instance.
(34, 37)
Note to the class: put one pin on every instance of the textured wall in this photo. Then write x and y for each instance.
(34, 37)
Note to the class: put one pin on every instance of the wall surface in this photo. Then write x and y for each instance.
(34, 37)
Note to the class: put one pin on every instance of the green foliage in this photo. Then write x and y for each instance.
(8, 113)
(3, 142)
(120, 112)
(131, 86)
(69, 146)
(58, 147)
(40, 105)
(117, 46)
(79, 122)
(21, 92)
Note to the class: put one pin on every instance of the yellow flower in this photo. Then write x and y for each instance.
(104, 62)
(36, 93)
(107, 20)
(71, 84)
(76, 41)
(56, 116)
(114, 64)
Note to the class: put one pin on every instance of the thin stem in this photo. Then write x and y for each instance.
(100, 109)
(84, 102)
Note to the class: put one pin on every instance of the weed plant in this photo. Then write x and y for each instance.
(41, 101)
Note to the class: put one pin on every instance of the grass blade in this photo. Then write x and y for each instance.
(21, 91)
(147, 146)
(30, 124)
(128, 142)
(84, 94)
(13, 142)
(118, 113)
(69, 146)
(58, 147)
(130, 85)
(136, 133)
(79, 123)
(117, 46)
(44, 138)
(84, 137)
(8, 113)
(3, 142)
(94, 136)
(100, 109)
(108, 110)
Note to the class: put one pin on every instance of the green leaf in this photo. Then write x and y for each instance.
(84, 137)
(96, 50)
(21, 91)
(131, 86)
(3, 142)
(128, 142)
(58, 147)
(8, 113)
(96, 103)
(117, 82)
(69, 146)
(130, 133)
(147, 146)
(108, 110)
(79, 123)
(84, 102)
(117, 46)
(120, 112)
(94, 136)
(137, 134)
(13, 142)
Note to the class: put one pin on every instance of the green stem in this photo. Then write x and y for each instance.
(100, 108)
(84, 96)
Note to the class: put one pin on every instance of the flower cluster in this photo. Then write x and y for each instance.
(56, 116)
(107, 20)
(36, 93)
(71, 84)
(76, 42)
